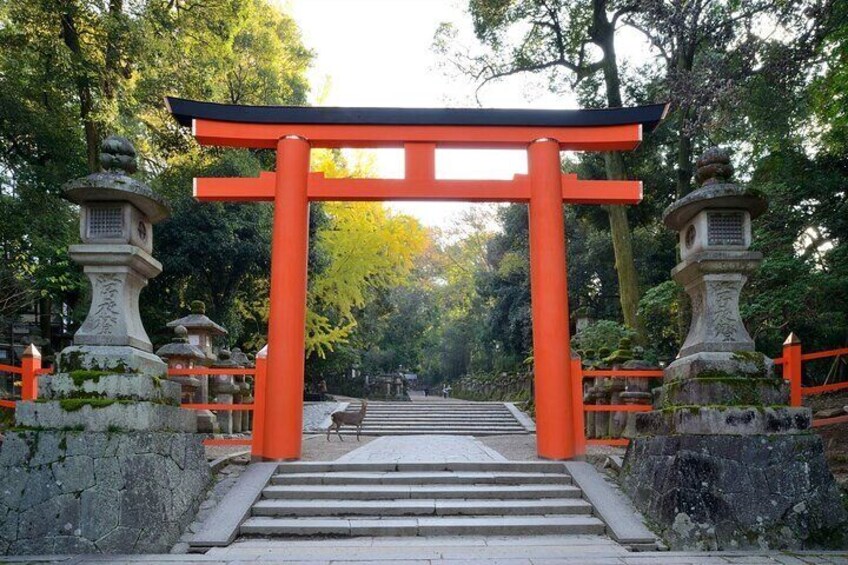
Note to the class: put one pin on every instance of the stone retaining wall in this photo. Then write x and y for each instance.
(98, 492)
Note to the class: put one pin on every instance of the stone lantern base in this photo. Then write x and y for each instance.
(100, 463)
(723, 492)
(117, 358)
(722, 463)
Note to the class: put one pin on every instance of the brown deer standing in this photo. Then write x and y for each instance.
(342, 418)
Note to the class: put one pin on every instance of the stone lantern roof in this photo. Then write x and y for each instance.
(716, 191)
(180, 347)
(198, 320)
(114, 184)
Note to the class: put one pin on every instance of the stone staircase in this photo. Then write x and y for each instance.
(440, 418)
(420, 499)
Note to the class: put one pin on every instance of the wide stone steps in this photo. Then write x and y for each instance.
(438, 417)
(396, 492)
(421, 499)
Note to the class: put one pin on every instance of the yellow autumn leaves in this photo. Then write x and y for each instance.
(366, 246)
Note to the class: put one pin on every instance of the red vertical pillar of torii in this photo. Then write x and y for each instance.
(294, 131)
(287, 316)
(549, 303)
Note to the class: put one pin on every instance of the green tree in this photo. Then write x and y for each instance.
(73, 71)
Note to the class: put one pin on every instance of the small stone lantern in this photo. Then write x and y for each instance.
(201, 330)
(226, 390)
(117, 214)
(180, 354)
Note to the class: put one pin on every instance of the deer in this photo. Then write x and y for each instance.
(341, 418)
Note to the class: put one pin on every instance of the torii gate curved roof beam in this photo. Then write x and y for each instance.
(262, 126)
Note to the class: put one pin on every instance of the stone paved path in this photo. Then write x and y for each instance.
(543, 550)
(429, 448)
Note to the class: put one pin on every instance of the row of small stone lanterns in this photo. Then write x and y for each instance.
(190, 348)
(605, 391)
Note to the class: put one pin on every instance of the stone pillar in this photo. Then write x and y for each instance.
(105, 461)
(225, 388)
(616, 386)
(723, 462)
(637, 393)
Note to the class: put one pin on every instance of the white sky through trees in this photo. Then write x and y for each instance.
(379, 53)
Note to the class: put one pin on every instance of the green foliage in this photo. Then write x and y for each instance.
(661, 309)
(73, 72)
(601, 335)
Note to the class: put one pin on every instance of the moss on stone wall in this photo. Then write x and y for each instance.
(74, 404)
(80, 376)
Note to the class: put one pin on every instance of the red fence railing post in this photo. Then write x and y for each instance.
(577, 400)
(792, 367)
(30, 365)
(258, 435)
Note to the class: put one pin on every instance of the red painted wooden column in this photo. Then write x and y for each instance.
(793, 368)
(549, 301)
(257, 446)
(30, 364)
(287, 317)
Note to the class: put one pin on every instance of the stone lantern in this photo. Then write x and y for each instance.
(722, 462)
(714, 223)
(200, 333)
(227, 390)
(180, 354)
(103, 459)
(117, 213)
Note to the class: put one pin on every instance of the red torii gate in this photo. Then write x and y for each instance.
(293, 131)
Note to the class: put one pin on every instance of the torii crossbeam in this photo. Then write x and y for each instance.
(293, 131)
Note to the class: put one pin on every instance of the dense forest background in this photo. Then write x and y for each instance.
(765, 79)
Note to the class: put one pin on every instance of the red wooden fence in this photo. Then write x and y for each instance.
(791, 362)
(206, 372)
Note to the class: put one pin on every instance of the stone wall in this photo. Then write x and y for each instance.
(98, 492)
(499, 387)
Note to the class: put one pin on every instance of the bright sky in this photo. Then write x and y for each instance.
(378, 53)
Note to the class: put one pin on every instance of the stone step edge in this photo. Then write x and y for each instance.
(338, 508)
(423, 466)
(437, 525)
(416, 492)
(388, 479)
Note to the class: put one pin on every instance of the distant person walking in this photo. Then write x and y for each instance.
(446, 389)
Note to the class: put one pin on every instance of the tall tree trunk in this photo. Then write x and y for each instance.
(70, 36)
(603, 33)
(684, 156)
(622, 245)
(45, 311)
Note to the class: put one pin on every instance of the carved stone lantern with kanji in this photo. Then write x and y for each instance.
(714, 225)
(117, 213)
(722, 421)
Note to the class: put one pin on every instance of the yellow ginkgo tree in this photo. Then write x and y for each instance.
(365, 246)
